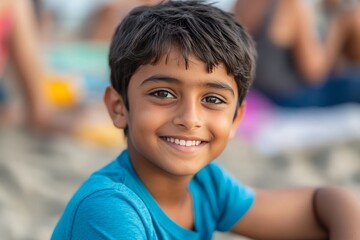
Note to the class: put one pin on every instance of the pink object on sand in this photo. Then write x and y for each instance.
(258, 110)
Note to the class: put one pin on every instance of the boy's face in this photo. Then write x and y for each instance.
(179, 119)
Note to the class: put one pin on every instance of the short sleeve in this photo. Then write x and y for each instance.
(109, 215)
(233, 199)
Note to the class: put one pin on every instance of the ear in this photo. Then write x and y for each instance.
(239, 116)
(116, 107)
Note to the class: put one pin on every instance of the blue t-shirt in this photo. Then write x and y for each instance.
(114, 204)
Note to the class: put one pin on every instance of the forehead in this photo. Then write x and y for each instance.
(174, 65)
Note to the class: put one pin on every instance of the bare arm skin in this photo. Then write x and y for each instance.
(303, 213)
(316, 58)
(25, 55)
(309, 52)
(313, 57)
(339, 211)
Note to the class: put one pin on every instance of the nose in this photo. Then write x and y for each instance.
(188, 115)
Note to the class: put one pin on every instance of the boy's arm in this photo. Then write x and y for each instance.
(339, 211)
(304, 213)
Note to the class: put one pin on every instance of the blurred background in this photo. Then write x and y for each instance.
(302, 125)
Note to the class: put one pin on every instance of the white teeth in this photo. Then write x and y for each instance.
(182, 142)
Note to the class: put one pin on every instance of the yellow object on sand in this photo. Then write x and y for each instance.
(62, 90)
(94, 126)
(103, 135)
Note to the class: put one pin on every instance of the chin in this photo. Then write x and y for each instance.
(183, 170)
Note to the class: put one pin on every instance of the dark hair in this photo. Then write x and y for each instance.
(148, 33)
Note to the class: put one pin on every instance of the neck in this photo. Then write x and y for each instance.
(168, 192)
(167, 189)
(171, 192)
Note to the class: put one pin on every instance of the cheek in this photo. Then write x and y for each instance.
(220, 128)
(220, 125)
(146, 118)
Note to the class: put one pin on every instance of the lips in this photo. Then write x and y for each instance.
(183, 142)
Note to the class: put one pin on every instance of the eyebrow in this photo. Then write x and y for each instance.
(220, 85)
(160, 78)
(215, 84)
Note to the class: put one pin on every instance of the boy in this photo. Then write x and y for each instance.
(179, 74)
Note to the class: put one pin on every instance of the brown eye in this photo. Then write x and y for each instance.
(212, 100)
(162, 94)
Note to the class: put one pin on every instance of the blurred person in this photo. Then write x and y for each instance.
(295, 68)
(19, 45)
(65, 20)
(347, 13)
(103, 21)
(85, 19)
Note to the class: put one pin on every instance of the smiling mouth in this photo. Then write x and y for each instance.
(183, 142)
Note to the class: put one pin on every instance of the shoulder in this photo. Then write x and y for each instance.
(226, 197)
(107, 195)
(118, 206)
(105, 206)
(213, 172)
(219, 182)
(111, 212)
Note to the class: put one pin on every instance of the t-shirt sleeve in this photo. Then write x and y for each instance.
(233, 198)
(109, 215)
